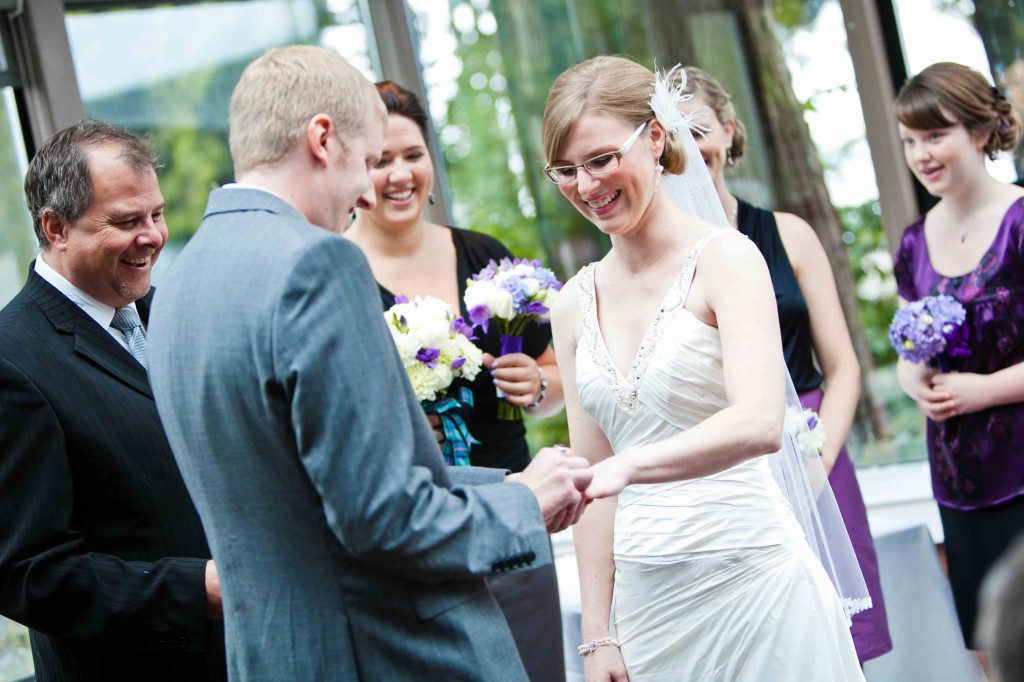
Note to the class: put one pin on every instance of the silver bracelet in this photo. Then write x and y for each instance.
(543, 388)
(591, 647)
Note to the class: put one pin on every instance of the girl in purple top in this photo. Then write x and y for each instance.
(970, 246)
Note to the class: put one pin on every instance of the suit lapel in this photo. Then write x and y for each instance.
(97, 345)
(91, 342)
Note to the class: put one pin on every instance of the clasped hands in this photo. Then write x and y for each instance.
(942, 395)
(565, 484)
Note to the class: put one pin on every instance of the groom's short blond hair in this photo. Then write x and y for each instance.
(282, 90)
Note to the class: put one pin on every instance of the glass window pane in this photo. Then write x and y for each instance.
(15, 654)
(17, 243)
(179, 93)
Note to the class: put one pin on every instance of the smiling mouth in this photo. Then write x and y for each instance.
(403, 195)
(598, 205)
(135, 262)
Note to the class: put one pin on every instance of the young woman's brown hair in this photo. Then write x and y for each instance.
(947, 93)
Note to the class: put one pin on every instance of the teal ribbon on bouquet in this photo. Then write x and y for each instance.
(457, 439)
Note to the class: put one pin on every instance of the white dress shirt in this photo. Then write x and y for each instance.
(101, 312)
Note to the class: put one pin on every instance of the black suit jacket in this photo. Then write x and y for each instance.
(102, 553)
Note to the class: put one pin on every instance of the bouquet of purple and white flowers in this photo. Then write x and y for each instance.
(930, 329)
(436, 348)
(513, 292)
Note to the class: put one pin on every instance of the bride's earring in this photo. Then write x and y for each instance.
(658, 170)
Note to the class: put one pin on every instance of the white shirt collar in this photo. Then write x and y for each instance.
(101, 312)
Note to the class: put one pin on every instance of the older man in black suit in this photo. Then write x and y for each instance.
(102, 553)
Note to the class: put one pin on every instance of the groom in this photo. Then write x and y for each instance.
(346, 549)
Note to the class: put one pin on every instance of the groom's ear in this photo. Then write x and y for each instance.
(318, 137)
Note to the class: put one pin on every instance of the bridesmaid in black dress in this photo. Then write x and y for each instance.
(813, 328)
(411, 256)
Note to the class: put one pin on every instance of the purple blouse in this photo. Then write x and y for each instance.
(977, 460)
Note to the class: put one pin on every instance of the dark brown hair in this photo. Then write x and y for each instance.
(398, 100)
(58, 178)
(961, 92)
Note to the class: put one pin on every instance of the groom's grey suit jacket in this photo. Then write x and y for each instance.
(345, 550)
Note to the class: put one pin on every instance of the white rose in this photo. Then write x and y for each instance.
(497, 300)
(444, 376)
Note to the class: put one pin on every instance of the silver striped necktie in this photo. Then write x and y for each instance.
(127, 321)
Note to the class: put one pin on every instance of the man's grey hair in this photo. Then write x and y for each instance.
(58, 177)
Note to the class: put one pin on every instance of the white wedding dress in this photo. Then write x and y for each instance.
(713, 577)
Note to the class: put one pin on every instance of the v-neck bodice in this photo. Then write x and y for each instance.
(677, 381)
(625, 387)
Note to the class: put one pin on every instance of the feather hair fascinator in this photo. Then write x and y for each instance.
(666, 98)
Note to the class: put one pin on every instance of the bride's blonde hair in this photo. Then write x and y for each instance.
(605, 85)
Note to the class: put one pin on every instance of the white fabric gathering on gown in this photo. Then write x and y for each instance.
(714, 579)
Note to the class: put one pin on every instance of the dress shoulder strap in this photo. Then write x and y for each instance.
(690, 266)
(585, 291)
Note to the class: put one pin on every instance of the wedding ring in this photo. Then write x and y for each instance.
(560, 447)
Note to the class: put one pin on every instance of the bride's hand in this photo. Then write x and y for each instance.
(605, 665)
(435, 424)
(611, 475)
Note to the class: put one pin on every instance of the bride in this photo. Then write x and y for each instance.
(675, 390)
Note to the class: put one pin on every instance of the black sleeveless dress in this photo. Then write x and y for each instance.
(794, 318)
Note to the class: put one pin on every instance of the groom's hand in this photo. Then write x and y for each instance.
(558, 479)
(214, 607)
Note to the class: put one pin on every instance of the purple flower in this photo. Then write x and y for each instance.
(487, 272)
(458, 362)
(522, 286)
(428, 356)
(535, 308)
(401, 298)
(480, 316)
(459, 326)
(929, 327)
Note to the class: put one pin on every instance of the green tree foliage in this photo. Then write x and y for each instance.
(186, 119)
(872, 266)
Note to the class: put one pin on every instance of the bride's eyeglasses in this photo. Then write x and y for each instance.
(599, 165)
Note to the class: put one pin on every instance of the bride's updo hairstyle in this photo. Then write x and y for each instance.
(614, 86)
(963, 93)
